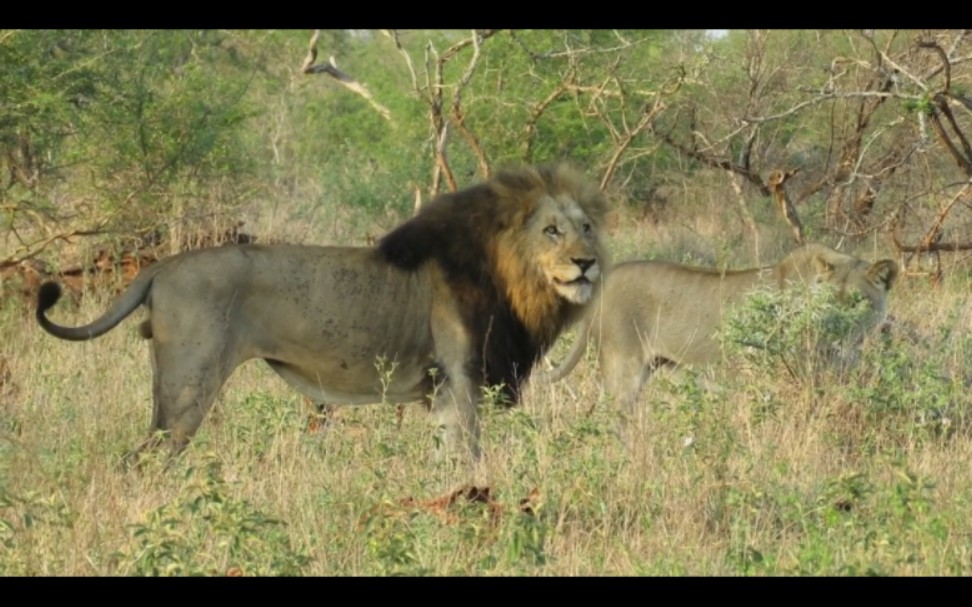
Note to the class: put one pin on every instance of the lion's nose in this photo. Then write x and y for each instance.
(584, 264)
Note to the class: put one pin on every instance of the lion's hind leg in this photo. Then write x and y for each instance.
(185, 385)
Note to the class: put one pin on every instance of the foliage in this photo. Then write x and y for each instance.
(22, 517)
(208, 532)
(120, 130)
(799, 329)
(818, 341)
(910, 390)
(853, 524)
(873, 119)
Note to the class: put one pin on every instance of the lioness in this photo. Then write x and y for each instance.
(467, 293)
(655, 313)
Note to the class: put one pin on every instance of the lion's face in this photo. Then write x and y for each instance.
(563, 239)
(547, 255)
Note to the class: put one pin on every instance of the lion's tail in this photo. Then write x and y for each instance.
(133, 296)
(568, 364)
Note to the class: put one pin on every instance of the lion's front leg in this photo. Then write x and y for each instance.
(454, 414)
(456, 420)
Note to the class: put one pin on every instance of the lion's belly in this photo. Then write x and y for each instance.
(337, 359)
(348, 329)
(356, 384)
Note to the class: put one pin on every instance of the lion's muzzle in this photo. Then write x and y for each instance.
(578, 290)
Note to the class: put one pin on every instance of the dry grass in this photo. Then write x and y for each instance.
(766, 476)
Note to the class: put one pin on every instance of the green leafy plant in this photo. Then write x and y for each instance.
(802, 329)
(208, 532)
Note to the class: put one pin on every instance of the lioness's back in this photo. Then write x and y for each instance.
(673, 309)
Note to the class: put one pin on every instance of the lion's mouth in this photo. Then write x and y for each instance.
(577, 291)
(577, 282)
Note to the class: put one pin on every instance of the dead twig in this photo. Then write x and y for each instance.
(331, 69)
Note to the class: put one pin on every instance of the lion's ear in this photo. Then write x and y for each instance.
(884, 271)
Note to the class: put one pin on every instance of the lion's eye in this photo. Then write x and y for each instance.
(551, 231)
(587, 228)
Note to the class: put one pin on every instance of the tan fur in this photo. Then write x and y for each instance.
(519, 251)
(470, 291)
(654, 313)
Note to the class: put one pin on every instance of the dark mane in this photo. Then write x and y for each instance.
(459, 231)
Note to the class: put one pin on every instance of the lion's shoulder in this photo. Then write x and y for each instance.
(451, 228)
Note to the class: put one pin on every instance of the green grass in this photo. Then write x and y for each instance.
(851, 471)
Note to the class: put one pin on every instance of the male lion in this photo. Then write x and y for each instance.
(467, 293)
(655, 313)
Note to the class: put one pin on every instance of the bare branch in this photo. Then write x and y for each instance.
(962, 100)
(457, 114)
(434, 99)
(900, 69)
(476, 39)
(36, 248)
(932, 241)
(824, 98)
(572, 53)
(744, 213)
(441, 160)
(648, 114)
(776, 181)
(934, 233)
(720, 163)
(957, 41)
(965, 164)
(945, 63)
(860, 151)
(418, 200)
(440, 127)
(330, 68)
(540, 108)
(932, 247)
(393, 34)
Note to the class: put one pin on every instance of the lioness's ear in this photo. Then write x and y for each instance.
(885, 271)
(822, 268)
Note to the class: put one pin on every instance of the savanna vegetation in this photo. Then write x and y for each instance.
(120, 147)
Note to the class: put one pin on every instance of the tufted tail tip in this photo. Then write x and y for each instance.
(47, 296)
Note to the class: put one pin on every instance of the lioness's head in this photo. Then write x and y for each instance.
(848, 275)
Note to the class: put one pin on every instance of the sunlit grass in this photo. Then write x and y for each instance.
(767, 475)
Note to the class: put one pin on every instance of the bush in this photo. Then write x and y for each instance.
(801, 329)
(210, 533)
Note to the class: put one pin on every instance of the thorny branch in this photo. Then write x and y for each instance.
(459, 117)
